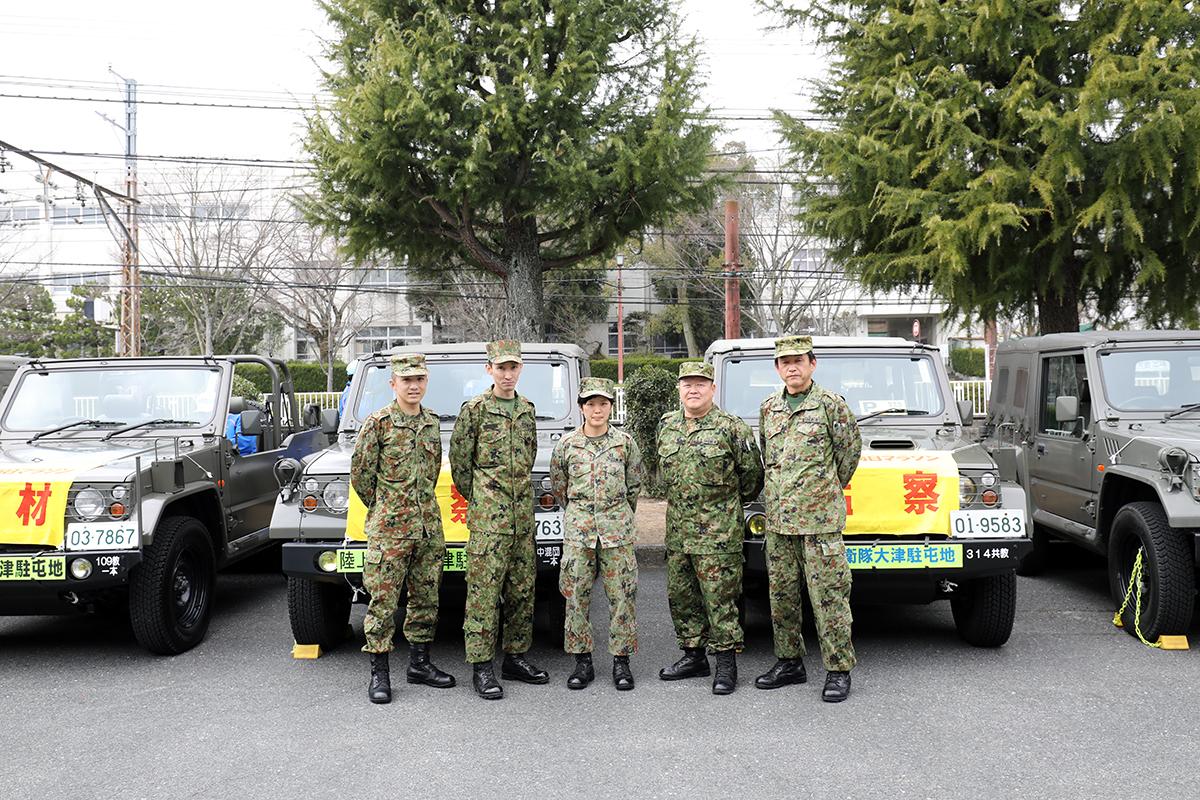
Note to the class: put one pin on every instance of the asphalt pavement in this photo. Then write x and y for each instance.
(1070, 707)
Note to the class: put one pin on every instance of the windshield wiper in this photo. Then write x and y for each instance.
(447, 417)
(874, 414)
(1182, 410)
(93, 422)
(136, 425)
(544, 418)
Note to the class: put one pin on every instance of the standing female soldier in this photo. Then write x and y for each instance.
(597, 473)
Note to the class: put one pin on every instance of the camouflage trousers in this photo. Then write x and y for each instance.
(702, 592)
(818, 561)
(617, 568)
(500, 571)
(388, 565)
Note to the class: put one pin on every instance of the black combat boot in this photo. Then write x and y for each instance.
(837, 687)
(486, 685)
(422, 670)
(694, 664)
(622, 675)
(725, 680)
(516, 667)
(785, 671)
(584, 672)
(379, 690)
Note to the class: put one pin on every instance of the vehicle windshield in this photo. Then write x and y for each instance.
(1151, 380)
(57, 397)
(870, 383)
(452, 383)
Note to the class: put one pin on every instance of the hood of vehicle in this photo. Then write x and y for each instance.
(1140, 442)
(90, 460)
(924, 438)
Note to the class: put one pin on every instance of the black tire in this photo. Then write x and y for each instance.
(171, 591)
(319, 612)
(984, 609)
(1035, 562)
(1168, 570)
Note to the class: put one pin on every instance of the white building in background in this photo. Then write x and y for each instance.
(54, 234)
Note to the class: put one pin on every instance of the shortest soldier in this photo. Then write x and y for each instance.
(811, 444)
(394, 470)
(596, 472)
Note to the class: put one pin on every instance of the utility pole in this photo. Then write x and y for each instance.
(733, 286)
(129, 338)
(620, 324)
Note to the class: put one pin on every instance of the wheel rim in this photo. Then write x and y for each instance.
(1145, 584)
(189, 590)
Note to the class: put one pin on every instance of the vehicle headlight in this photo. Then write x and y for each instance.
(966, 490)
(120, 492)
(336, 495)
(546, 484)
(1196, 481)
(89, 504)
(756, 525)
(987, 480)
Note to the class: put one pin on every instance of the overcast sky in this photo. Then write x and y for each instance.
(262, 52)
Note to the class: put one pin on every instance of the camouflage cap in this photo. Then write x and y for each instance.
(793, 346)
(695, 369)
(409, 364)
(503, 350)
(597, 387)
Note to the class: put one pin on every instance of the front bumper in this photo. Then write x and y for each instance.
(301, 560)
(31, 581)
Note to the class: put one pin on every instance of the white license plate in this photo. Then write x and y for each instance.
(101, 536)
(997, 523)
(549, 526)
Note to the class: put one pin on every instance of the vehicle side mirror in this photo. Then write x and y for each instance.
(1066, 408)
(311, 415)
(252, 422)
(329, 421)
(966, 410)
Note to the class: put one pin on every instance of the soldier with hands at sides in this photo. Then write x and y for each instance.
(710, 464)
(810, 444)
(491, 459)
(394, 469)
(596, 472)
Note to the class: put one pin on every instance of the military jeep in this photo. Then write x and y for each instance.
(118, 488)
(321, 520)
(1108, 430)
(929, 515)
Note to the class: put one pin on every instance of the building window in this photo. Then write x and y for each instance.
(386, 276)
(376, 340)
(632, 341)
(306, 349)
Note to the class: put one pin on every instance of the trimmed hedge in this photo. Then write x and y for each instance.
(607, 367)
(307, 376)
(967, 361)
(649, 393)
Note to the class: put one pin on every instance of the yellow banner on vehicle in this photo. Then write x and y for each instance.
(33, 502)
(901, 494)
(452, 505)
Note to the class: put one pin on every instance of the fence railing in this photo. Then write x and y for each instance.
(977, 392)
(323, 399)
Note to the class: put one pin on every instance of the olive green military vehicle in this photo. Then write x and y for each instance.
(1107, 426)
(119, 488)
(929, 514)
(321, 520)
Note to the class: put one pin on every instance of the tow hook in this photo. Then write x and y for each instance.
(71, 598)
(948, 587)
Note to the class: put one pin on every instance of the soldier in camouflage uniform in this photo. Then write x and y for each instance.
(711, 466)
(491, 459)
(810, 443)
(395, 466)
(596, 472)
